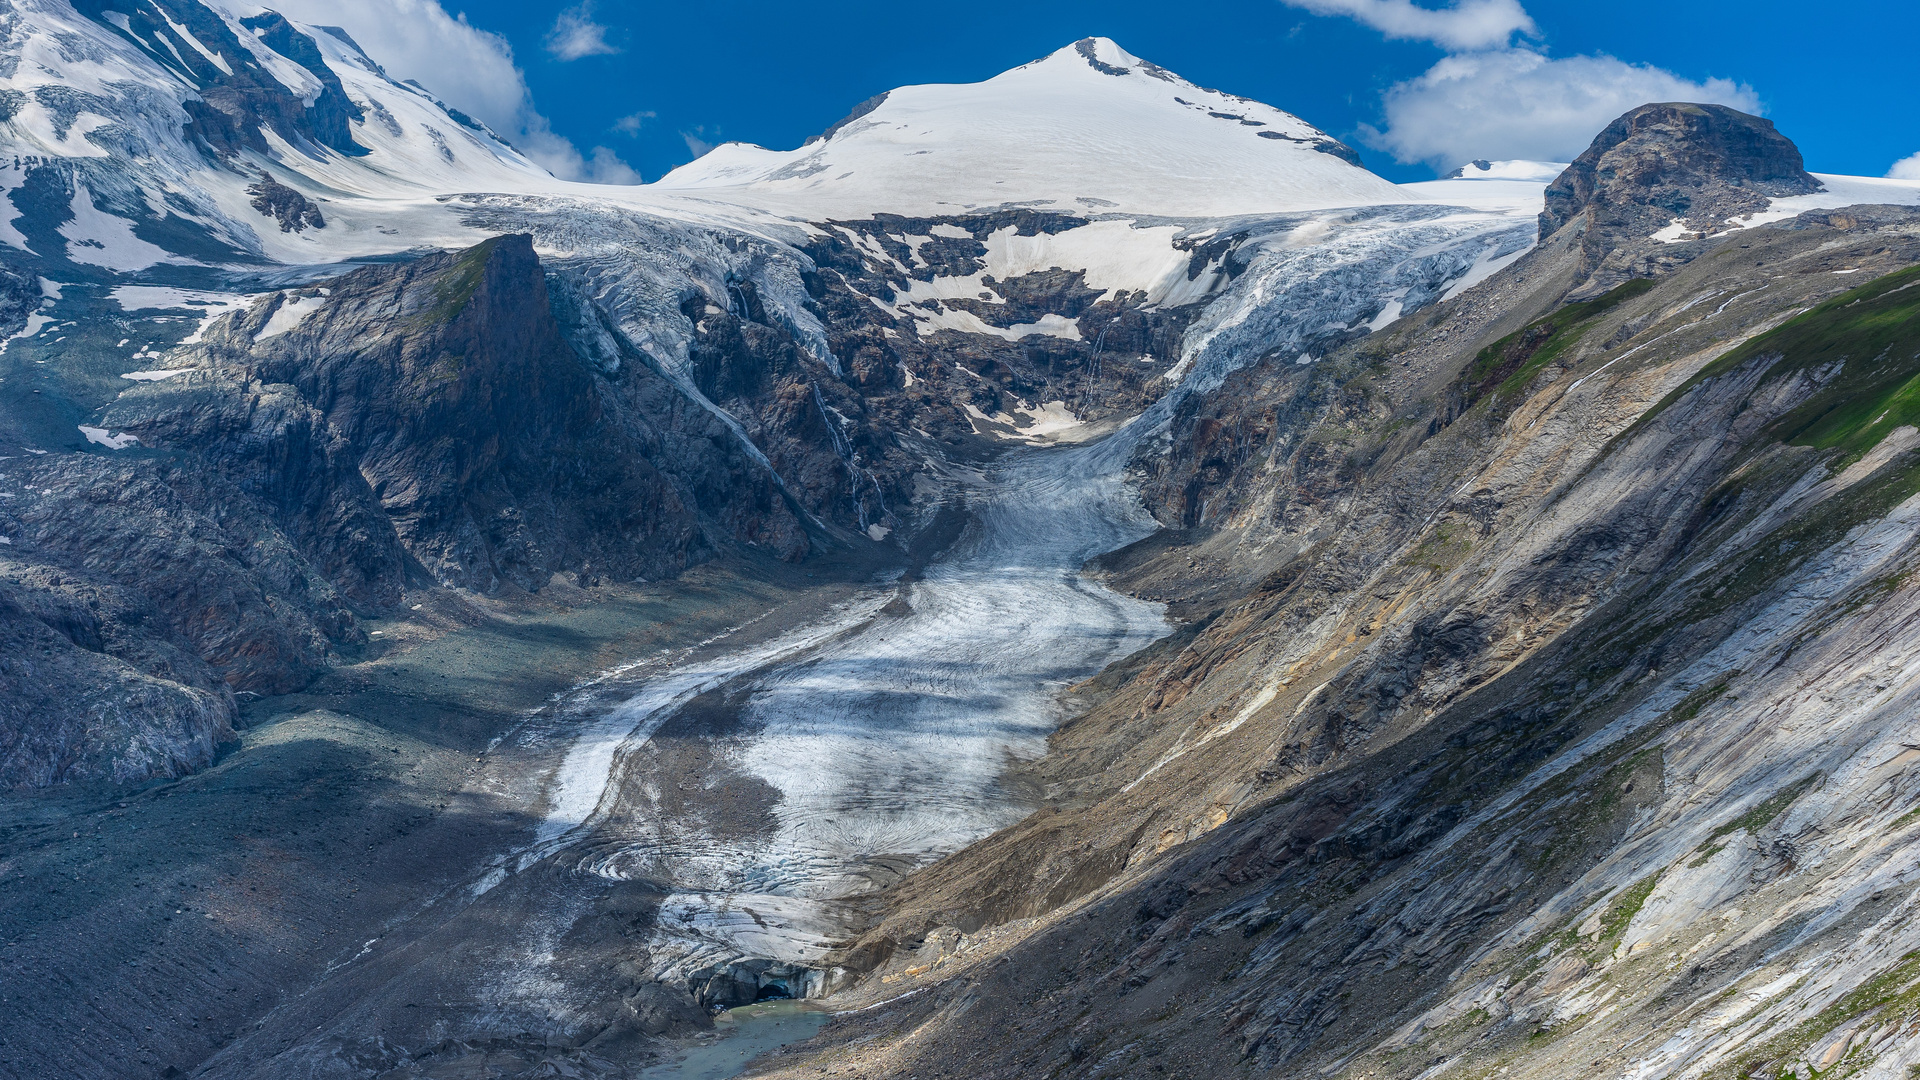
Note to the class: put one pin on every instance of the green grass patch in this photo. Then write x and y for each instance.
(1622, 757)
(1631, 759)
(1867, 320)
(1445, 549)
(1620, 913)
(458, 283)
(1505, 366)
(1874, 333)
(1760, 566)
(1589, 819)
(1691, 705)
(1761, 816)
(1707, 852)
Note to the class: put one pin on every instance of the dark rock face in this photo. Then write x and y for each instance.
(832, 439)
(294, 211)
(238, 101)
(324, 451)
(447, 390)
(1661, 163)
(139, 596)
(1329, 146)
(143, 592)
(73, 646)
(857, 112)
(1085, 47)
(19, 295)
(332, 109)
(1109, 369)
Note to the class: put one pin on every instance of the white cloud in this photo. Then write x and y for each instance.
(696, 145)
(1518, 103)
(1907, 168)
(631, 123)
(605, 167)
(600, 165)
(575, 35)
(1466, 25)
(467, 67)
(1490, 100)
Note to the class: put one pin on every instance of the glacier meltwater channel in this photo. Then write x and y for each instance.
(884, 728)
(875, 740)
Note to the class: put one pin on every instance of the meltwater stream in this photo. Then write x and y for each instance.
(876, 738)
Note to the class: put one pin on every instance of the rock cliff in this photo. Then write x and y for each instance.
(1663, 175)
(307, 461)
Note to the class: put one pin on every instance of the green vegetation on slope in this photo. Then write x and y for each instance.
(1763, 564)
(1893, 993)
(458, 283)
(1619, 914)
(1505, 366)
(1757, 818)
(1873, 334)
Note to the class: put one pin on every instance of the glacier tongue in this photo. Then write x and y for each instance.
(881, 736)
(886, 738)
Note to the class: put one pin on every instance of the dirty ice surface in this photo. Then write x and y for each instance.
(885, 732)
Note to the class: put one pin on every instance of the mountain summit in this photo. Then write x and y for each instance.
(1090, 127)
(1665, 174)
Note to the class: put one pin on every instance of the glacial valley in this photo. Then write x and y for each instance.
(1032, 608)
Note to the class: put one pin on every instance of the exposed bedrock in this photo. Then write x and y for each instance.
(1100, 355)
(293, 211)
(238, 97)
(427, 422)
(1673, 164)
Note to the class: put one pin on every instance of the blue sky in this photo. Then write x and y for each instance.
(618, 87)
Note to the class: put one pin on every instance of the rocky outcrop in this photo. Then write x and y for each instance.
(237, 96)
(1682, 166)
(19, 296)
(87, 692)
(292, 210)
(484, 439)
(422, 423)
(952, 383)
(331, 110)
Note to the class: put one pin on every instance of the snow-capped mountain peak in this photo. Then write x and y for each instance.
(1088, 128)
(163, 130)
